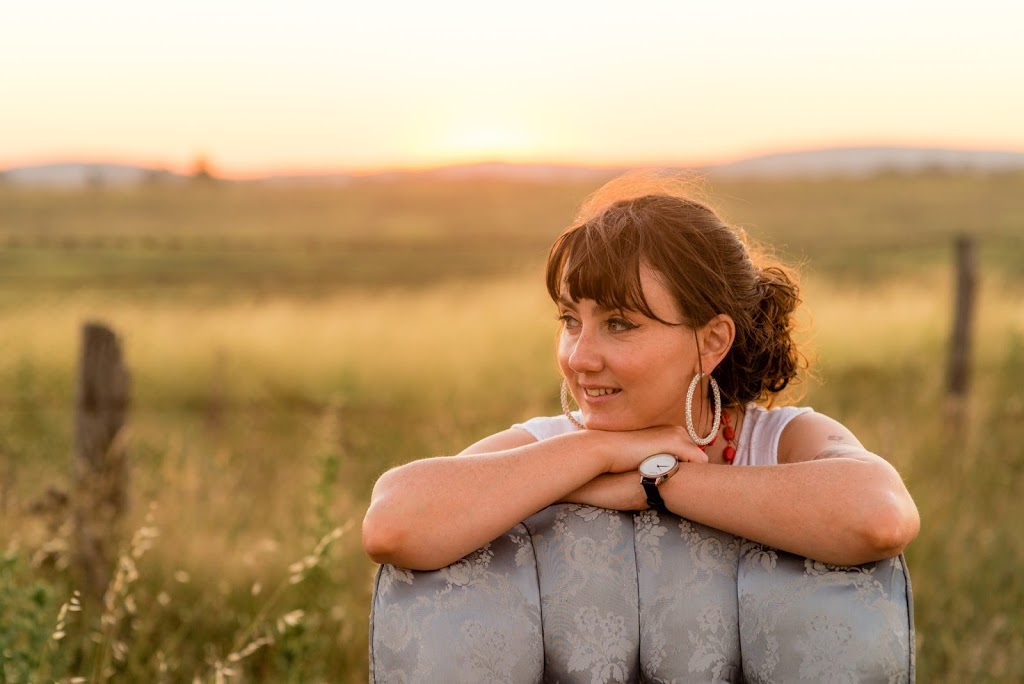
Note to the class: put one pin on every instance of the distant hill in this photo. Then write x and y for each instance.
(841, 161)
(869, 160)
(85, 174)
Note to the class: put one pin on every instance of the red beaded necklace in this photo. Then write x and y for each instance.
(727, 431)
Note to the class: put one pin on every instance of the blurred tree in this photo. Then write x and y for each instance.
(201, 169)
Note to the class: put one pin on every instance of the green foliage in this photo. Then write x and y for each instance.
(28, 619)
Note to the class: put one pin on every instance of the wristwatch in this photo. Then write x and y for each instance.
(653, 471)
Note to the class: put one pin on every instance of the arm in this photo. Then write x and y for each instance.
(617, 491)
(429, 513)
(828, 499)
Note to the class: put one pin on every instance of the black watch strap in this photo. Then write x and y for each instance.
(654, 499)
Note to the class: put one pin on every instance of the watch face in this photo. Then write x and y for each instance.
(657, 465)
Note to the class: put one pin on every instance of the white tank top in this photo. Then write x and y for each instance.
(758, 442)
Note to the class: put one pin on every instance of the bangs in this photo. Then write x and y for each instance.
(587, 263)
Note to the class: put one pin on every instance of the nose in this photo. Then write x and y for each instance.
(585, 353)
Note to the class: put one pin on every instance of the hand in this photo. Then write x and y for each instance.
(626, 450)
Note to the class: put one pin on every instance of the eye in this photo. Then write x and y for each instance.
(568, 321)
(617, 324)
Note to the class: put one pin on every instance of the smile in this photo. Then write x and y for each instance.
(600, 392)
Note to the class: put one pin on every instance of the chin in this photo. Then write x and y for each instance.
(624, 423)
(610, 424)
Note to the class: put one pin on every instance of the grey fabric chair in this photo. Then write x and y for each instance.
(582, 594)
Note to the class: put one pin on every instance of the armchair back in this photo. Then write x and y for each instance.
(582, 594)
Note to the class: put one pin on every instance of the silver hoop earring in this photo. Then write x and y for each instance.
(565, 406)
(703, 441)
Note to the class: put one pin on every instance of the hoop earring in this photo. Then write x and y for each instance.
(703, 441)
(565, 406)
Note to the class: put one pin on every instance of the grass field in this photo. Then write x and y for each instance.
(289, 344)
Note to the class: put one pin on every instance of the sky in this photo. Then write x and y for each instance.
(262, 87)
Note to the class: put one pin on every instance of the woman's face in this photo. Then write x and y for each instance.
(627, 371)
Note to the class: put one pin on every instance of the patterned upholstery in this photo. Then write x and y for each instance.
(582, 594)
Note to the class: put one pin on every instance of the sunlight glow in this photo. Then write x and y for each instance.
(484, 143)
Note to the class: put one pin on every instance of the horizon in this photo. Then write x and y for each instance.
(272, 89)
(470, 163)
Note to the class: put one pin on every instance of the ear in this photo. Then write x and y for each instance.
(715, 339)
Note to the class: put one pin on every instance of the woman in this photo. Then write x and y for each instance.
(673, 339)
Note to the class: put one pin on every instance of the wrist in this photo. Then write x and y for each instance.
(654, 471)
(600, 447)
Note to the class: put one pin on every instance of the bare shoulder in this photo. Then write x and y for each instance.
(813, 436)
(500, 441)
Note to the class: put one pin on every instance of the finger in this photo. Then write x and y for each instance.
(692, 455)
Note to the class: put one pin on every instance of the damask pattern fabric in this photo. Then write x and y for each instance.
(582, 594)
(581, 552)
(477, 620)
(804, 620)
(688, 607)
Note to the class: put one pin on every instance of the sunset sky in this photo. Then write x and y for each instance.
(262, 87)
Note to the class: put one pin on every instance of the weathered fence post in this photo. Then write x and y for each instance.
(99, 488)
(958, 374)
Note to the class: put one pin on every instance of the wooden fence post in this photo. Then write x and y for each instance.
(99, 487)
(958, 374)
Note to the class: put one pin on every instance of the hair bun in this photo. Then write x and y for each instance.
(775, 350)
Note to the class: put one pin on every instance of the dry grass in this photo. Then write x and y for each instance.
(261, 420)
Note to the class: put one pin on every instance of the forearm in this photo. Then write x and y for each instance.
(617, 491)
(844, 511)
(430, 513)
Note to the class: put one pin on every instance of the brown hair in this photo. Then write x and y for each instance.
(707, 265)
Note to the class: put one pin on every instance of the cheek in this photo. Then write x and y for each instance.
(669, 374)
(566, 341)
